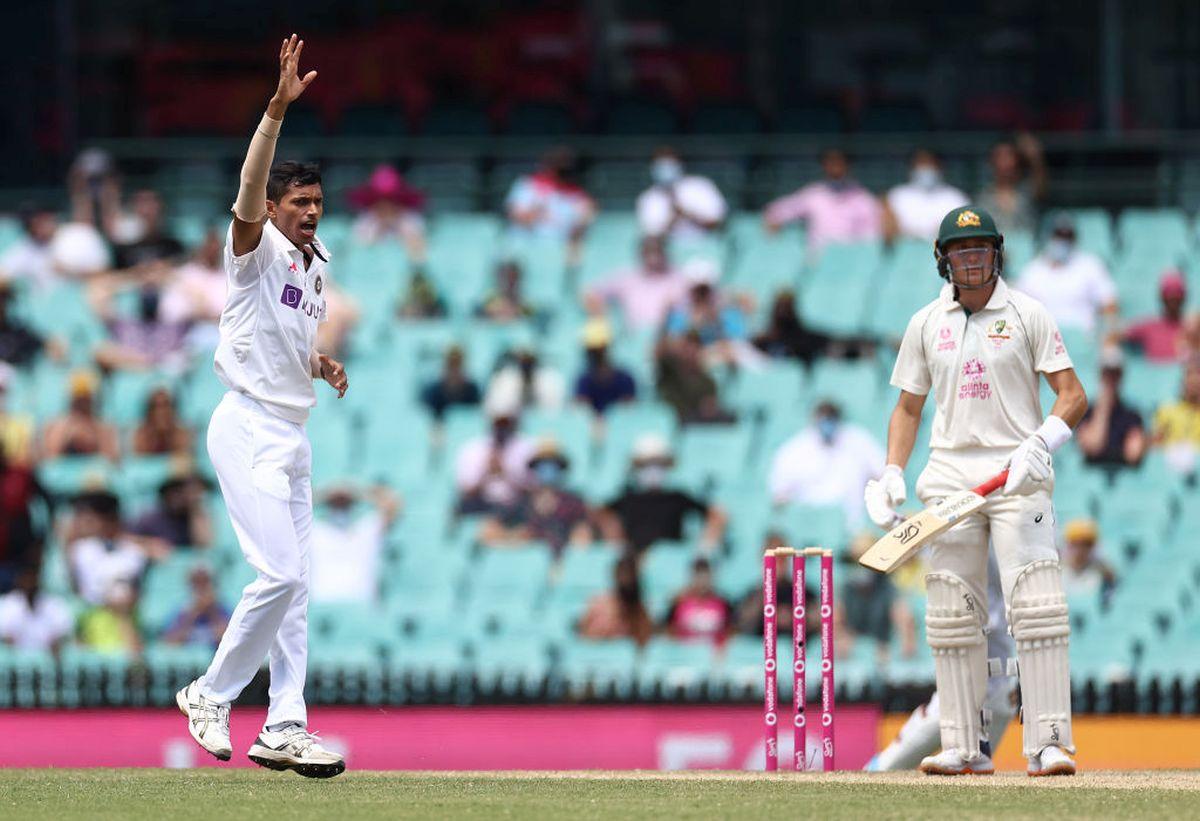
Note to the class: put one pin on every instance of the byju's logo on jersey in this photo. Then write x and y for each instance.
(291, 296)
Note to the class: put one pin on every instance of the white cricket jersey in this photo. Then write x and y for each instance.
(983, 368)
(269, 325)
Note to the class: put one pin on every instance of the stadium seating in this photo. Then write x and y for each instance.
(503, 620)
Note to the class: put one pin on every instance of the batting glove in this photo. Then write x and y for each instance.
(1028, 467)
(884, 495)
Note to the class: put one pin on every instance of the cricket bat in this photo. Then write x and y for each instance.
(906, 538)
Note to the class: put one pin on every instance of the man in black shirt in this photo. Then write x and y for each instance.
(647, 512)
(153, 243)
(19, 344)
(1111, 434)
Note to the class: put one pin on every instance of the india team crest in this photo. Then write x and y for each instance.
(968, 219)
(318, 284)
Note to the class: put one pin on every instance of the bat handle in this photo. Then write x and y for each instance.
(995, 483)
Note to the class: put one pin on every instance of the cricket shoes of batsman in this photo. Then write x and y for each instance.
(208, 721)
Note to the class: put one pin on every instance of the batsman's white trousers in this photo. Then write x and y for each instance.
(1021, 527)
(264, 467)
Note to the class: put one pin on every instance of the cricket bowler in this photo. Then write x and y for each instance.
(276, 272)
(980, 347)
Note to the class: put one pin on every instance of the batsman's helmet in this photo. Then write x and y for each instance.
(967, 222)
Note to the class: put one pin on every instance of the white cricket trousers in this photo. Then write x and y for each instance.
(264, 467)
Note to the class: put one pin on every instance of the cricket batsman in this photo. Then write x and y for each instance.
(276, 272)
(980, 347)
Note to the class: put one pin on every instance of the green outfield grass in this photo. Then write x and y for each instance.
(213, 795)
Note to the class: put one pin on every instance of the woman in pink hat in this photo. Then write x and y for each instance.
(389, 206)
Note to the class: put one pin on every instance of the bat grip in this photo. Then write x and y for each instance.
(995, 483)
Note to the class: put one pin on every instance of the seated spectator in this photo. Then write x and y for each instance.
(181, 516)
(203, 621)
(195, 294)
(1111, 434)
(550, 202)
(505, 304)
(491, 471)
(546, 511)
(682, 206)
(602, 383)
(618, 613)
(915, 209)
(140, 236)
(389, 207)
(834, 209)
(1161, 339)
(1177, 424)
(20, 345)
(749, 613)
(31, 619)
(420, 299)
(645, 294)
(719, 320)
(699, 613)
(1018, 185)
(869, 607)
(786, 336)
(16, 429)
(1073, 284)
(80, 432)
(342, 316)
(161, 432)
(109, 626)
(145, 339)
(20, 536)
(99, 550)
(685, 384)
(1084, 574)
(649, 511)
(453, 387)
(28, 259)
(826, 463)
(348, 543)
(534, 385)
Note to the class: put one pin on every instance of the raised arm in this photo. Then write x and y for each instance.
(250, 208)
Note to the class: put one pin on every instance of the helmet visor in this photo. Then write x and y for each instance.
(974, 265)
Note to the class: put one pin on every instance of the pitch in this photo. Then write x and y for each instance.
(212, 793)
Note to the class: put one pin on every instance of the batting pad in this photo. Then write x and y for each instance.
(1038, 617)
(954, 622)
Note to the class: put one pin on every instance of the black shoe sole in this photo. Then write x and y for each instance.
(306, 770)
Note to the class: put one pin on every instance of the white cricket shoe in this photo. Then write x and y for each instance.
(1052, 760)
(952, 762)
(208, 721)
(293, 747)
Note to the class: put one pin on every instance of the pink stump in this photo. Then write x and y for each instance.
(827, 660)
(770, 664)
(799, 689)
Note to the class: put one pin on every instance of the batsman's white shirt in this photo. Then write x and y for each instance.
(269, 325)
(983, 368)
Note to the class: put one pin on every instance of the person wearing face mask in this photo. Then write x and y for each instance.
(679, 205)
(915, 208)
(1072, 283)
(1018, 184)
(827, 463)
(644, 293)
(648, 510)
(546, 511)
(348, 538)
(834, 209)
(491, 470)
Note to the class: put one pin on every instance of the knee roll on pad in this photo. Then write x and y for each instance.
(1037, 614)
(954, 622)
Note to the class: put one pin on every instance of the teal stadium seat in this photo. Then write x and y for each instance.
(669, 666)
(836, 292)
(599, 667)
